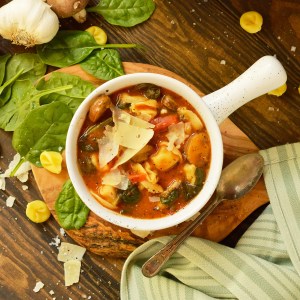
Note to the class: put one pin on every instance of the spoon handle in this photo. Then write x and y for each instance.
(153, 265)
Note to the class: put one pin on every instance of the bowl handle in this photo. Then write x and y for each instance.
(263, 76)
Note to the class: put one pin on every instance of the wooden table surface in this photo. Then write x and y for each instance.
(190, 38)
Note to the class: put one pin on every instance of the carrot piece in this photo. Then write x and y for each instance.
(162, 123)
(134, 178)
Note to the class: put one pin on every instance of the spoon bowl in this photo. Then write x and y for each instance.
(237, 179)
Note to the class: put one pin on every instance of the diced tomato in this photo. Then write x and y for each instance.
(134, 178)
(162, 123)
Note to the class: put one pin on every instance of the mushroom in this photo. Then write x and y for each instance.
(69, 8)
(97, 109)
(197, 149)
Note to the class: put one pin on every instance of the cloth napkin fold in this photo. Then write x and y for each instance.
(265, 264)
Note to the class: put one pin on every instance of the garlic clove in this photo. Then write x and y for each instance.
(28, 23)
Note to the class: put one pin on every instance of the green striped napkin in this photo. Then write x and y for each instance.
(265, 264)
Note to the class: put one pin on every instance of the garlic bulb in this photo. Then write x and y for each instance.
(28, 22)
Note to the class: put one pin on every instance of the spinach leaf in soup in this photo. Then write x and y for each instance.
(24, 98)
(104, 64)
(3, 61)
(44, 128)
(72, 97)
(72, 213)
(125, 13)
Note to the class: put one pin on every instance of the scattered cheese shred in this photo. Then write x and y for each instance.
(71, 255)
(10, 201)
(38, 286)
(21, 174)
(69, 251)
(72, 271)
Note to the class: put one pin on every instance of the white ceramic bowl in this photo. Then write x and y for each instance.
(212, 108)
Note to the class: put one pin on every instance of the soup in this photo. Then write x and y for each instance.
(143, 151)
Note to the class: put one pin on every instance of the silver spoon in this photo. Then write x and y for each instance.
(237, 179)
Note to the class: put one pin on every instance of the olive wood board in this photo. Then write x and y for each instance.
(106, 239)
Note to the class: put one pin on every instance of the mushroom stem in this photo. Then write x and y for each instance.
(80, 17)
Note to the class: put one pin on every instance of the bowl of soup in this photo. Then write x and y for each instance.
(144, 151)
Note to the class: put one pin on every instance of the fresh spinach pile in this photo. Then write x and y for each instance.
(124, 13)
(70, 47)
(39, 110)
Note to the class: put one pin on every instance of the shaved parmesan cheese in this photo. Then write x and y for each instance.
(141, 233)
(38, 286)
(72, 271)
(120, 115)
(116, 179)
(10, 201)
(69, 251)
(125, 156)
(129, 132)
(176, 135)
(141, 123)
(132, 137)
(108, 147)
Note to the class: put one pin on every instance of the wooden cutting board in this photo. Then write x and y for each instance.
(106, 239)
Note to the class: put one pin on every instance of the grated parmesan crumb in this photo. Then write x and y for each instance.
(55, 241)
(10, 201)
(24, 187)
(38, 286)
(62, 232)
(223, 62)
(293, 48)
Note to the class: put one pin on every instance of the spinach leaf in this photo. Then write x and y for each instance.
(71, 212)
(5, 89)
(44, 128)
(14, 112)
(72, 97)
(131, 195)
(31, 65)
(3, 61)
(24, 66)
(170, 197)
(67, 48)
(105, 64)
(190, 190)
(70, 47)
(125, 13)
(24, 99)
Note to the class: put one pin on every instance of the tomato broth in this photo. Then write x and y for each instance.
(143, 151)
